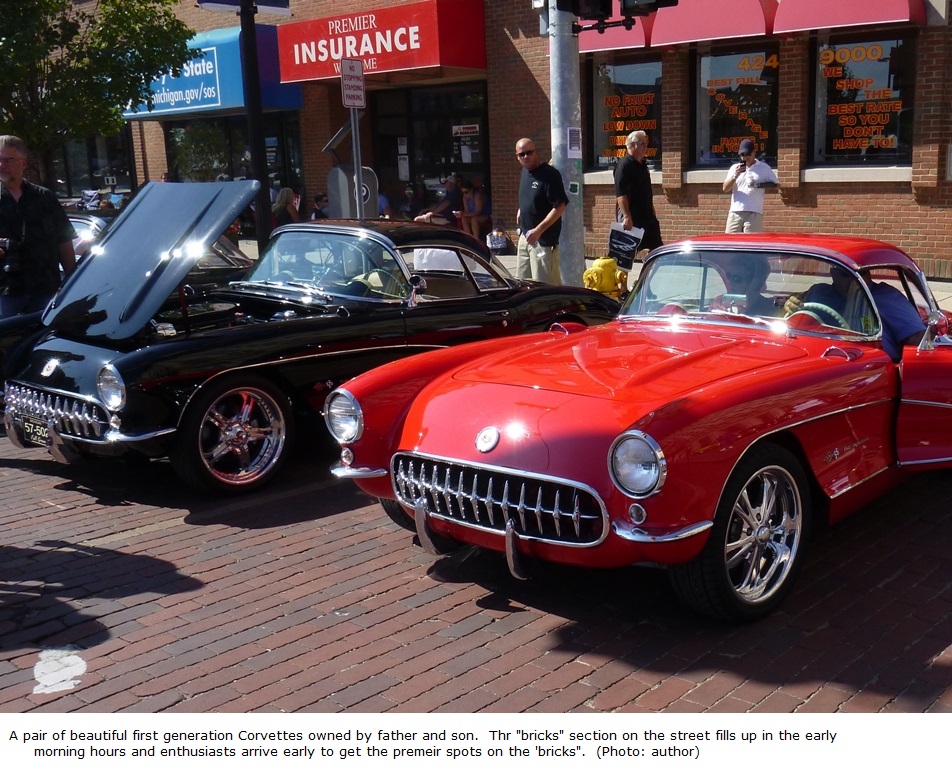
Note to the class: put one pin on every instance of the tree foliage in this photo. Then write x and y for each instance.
(200, 150)
(68, 68)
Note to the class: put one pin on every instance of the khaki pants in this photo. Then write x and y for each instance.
(540, 263)
(745, 221)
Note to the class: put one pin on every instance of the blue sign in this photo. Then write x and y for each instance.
(213, 81)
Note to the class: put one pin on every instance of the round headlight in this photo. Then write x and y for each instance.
(343, 416)
(637, 464)
(111, 387)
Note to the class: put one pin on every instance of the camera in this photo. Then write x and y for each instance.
(11, 255)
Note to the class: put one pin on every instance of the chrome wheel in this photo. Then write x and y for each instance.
(763, 534)
(234, 437)
(755, 548)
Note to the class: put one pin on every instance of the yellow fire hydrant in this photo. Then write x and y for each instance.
(605, 276)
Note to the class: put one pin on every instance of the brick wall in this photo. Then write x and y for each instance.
(915, 215)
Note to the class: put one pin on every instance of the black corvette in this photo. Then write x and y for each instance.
(217, 382)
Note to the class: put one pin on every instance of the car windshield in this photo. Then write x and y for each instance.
(789, 290)
(340, 264)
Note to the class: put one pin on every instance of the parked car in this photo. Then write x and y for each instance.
(738, 402)
(221, 263)
(218, 382)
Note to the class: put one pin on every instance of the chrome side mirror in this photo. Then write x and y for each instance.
(937, 327)
(417, 286)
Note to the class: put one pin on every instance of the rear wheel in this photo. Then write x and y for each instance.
(235, 435)
(756, 546)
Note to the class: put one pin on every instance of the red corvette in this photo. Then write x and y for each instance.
(752, 388)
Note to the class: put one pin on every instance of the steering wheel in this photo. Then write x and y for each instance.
(828, 311)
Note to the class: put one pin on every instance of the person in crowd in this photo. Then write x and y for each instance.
(36, 237)
(410, 204)
(442, 212)
(746, 182)
(477, 215)
(542, 201)
(633, 196)
(321, 201)
(384, 211)
(284, 209)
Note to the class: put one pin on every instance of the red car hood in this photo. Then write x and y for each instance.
(559, 402)
(617, 359)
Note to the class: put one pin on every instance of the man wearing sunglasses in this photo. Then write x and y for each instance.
(746, 182)
(542, 201)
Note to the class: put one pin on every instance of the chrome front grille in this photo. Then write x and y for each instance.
(546, 509)
(75, 416)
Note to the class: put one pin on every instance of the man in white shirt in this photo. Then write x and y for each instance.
(746, 182)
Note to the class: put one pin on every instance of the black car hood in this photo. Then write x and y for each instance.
(147, 251)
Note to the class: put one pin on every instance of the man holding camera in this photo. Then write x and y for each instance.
(746, 182)
(36, 237)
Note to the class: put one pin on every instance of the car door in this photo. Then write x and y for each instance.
(924, 421)
(464, 299)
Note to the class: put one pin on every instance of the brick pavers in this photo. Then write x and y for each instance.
(305, 597)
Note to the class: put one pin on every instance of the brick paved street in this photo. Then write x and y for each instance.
(305, 597)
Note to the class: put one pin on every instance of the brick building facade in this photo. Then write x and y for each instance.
(907, 202)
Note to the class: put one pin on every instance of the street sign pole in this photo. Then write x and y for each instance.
(354, 96)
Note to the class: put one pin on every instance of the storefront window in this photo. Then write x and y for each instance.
(218, 149)
(449, 135)
(737, 99)
(96, 162)
(626, 97)
(864, 101)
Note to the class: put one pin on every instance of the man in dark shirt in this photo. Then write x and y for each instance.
(633, 191)
(542, 202)
(38, 235)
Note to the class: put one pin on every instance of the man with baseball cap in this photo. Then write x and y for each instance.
(746, 182)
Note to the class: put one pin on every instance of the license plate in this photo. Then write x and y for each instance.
(35, 431)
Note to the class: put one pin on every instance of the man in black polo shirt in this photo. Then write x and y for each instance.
(542, 202)
(633, 195)
(35, 235)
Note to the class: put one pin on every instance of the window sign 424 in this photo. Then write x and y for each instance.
(758, 62)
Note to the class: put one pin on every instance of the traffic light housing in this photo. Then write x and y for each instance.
(643, 7)
(599, 10)
(591, 10)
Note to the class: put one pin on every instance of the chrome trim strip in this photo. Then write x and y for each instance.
(639, 535)
(927, 404)
(915, 462)
(342, 471)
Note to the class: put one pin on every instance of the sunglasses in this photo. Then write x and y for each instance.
(738, 278)
(526, 153)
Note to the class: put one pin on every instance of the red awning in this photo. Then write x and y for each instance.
(821, 14)
(710, 20)
(617, 37)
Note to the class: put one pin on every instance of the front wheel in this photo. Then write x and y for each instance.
(234, 436)
(397, 515)
(756, 545)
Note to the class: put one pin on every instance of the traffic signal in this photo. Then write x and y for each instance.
(597, 10)
(586, 9)
(644, 7)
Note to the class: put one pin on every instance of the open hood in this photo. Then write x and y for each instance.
(147, 251)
